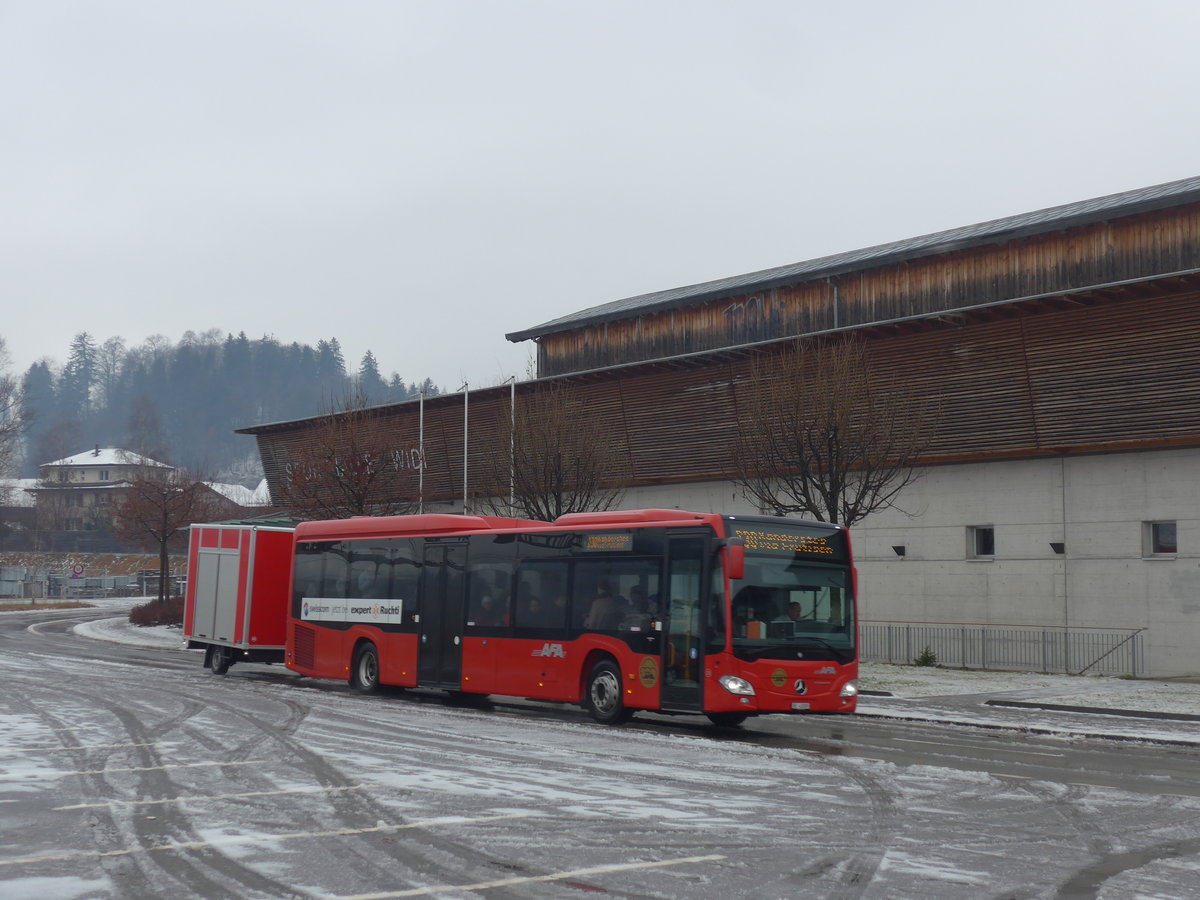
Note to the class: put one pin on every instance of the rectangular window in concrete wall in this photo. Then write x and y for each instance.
(981, 542)
(1158, 539)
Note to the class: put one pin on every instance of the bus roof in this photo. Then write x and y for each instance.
(445, 523)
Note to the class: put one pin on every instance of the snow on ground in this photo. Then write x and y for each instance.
(1106, 692)
(1106, 707)
(932, 693)
(119, 631)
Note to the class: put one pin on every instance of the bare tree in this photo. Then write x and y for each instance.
(159, 505)
(144, 430)
(557, 457)
(822, 432)
(348, 466)
(58, 441)
(109, 359)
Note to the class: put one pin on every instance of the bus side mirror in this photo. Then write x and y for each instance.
(735, 559)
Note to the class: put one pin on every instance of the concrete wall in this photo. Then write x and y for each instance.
(1096, 506)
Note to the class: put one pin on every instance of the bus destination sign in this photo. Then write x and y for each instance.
(610, 543)
(768, 540)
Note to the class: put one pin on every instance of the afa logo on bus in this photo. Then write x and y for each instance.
(554, 650)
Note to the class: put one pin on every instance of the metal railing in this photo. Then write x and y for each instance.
(1026, 648)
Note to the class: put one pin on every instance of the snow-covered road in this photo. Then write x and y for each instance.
(123, 777)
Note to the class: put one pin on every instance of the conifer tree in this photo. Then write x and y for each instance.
(371, 387)
(78, 378)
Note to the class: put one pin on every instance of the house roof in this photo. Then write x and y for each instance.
(1055, 218)
(241, 495)
(107, 456)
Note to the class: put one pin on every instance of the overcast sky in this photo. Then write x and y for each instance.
(419, 178)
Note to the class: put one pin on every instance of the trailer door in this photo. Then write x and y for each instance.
(216, 594)
(440, 629)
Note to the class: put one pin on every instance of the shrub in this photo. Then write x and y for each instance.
(166, 612)
(926, 658)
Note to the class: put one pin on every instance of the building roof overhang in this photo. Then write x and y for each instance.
(1058, 218)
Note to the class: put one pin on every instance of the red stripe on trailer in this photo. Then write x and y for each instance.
(245, 545)
(195, 540)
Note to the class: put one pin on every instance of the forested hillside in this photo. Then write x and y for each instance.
(181, 403)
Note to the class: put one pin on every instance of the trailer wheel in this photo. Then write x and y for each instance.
(218, 660)
(727, 719)
(364, 671)
(603, 699)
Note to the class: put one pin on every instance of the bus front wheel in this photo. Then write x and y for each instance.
(364, 670)
(604, 699)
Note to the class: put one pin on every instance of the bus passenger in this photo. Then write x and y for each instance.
(492, 611)
(604, 611)
(532, 615)
(637, 615)
(556, 615)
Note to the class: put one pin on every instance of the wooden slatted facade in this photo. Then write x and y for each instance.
(1140, 247)
(1076, 374)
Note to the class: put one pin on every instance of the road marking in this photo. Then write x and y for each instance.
(57, 747)
(249, 762)
(258, 838)
(201, 798)
(530, 879)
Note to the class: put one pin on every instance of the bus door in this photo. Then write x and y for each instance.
(683, 618)
(439, 632)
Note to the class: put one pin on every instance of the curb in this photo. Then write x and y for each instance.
(1096, 710)
(1045, 730)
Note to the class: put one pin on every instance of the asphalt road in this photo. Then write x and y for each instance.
(134, 773)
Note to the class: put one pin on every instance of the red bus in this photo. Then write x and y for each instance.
(664, 610)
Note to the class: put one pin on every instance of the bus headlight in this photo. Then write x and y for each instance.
(735, 685)
(849, 689)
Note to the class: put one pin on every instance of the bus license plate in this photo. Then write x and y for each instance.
(800, 706)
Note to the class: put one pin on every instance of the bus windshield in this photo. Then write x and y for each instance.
(790, 604)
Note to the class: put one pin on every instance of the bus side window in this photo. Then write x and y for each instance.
(531, 610)
(334, 578)
(616, 594)
(541, 595)
(307, 579)
(406, 576)
(490, 602)
(365, 581)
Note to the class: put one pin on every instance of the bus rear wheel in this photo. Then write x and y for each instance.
(604, 699)
(364, 670)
